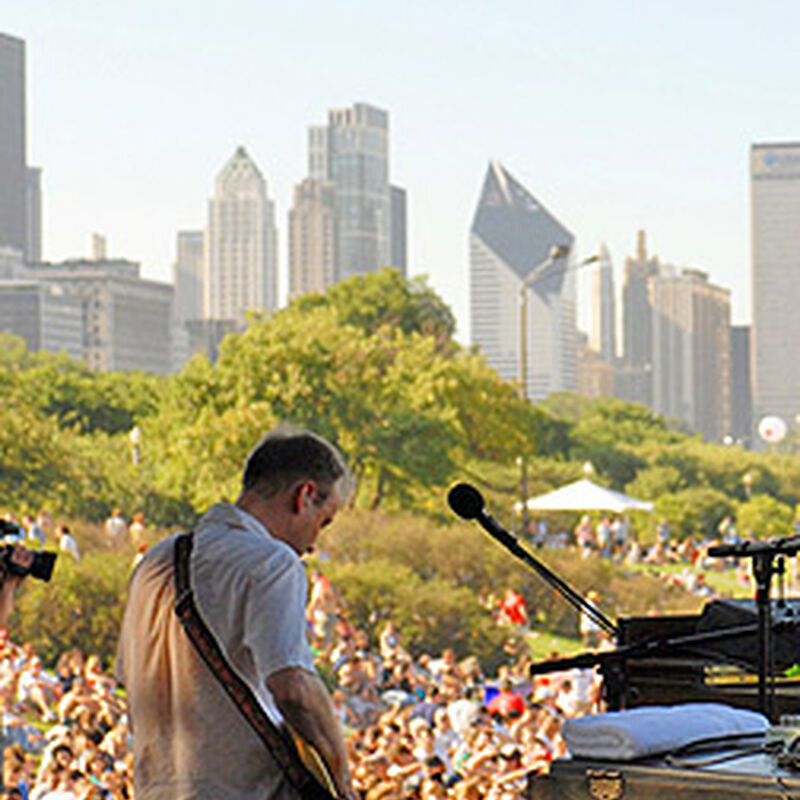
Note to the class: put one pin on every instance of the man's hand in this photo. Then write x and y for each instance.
(305, 704)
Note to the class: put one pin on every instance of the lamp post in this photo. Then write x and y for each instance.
(536, 274)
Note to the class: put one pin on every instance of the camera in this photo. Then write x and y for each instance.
(40, 566)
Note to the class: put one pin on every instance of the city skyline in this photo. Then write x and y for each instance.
(115, 100)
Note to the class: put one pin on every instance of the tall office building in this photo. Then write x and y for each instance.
(741, 385)
(691, 365)
(240, 272)
(511, 238)
(33, 214)
(603, 339)
(635, 374)
(312, 243)
(398, 256)
(13, 161)
(775, 214)
(349, 159)
(187, 275)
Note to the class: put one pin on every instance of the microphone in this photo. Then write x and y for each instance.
(467, 502)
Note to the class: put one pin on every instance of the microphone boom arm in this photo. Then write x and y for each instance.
(512, 544)
(468, 503)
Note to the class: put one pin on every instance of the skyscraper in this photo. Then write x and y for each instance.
(348, 180)
(635, 376)
(398, 258)
(741, 385)
(604, 317)
(691, 358)
(312, 242)
(512, 236)
(187, 276)
(358, 168)
(13, 161)
(33, 214)
(775, 213)
(240, 273)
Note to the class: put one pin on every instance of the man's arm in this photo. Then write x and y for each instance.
(306, 705)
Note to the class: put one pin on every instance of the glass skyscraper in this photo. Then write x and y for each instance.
(348, 189)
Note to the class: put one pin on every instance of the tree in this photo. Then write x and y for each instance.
(695, 512)
(764, 517)
(385, 299)
(81, 607)
(652, 482)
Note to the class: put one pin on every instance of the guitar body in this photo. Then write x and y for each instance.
(315, 765)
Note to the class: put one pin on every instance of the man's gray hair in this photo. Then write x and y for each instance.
(286, 456)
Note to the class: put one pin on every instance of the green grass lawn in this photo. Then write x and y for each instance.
(542, 644)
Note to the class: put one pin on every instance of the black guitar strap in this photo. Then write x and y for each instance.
(242, 695)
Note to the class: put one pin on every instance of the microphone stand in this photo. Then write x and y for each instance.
(764, 555)
(511, 543)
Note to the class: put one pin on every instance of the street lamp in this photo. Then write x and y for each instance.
(536, 274)
(747, 480)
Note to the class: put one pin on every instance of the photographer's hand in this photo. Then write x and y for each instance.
(8, 582)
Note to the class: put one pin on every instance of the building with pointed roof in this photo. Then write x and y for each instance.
(240, 271)
(512, 236)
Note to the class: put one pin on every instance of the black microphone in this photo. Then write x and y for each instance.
(468, 503)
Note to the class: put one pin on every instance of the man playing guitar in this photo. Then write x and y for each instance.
(249, 587)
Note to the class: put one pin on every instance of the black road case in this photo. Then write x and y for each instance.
(741, 779)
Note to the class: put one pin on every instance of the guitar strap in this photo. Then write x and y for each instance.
(242, 695)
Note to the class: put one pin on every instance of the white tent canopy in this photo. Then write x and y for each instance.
(583, 495)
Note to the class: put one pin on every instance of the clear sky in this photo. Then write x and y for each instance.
(617, 115)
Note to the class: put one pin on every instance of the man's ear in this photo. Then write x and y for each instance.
(304, 495)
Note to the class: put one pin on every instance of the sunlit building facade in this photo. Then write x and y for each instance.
(240, 269)
(312, 242)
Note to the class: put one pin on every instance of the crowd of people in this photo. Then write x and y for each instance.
(429, 725)
(435, 726)
(64, 731)
(432, 726)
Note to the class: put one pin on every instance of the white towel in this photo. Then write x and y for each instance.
(650, 730)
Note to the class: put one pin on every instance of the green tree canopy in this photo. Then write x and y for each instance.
(764, 517)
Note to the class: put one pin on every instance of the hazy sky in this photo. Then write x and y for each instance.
(616, 115)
